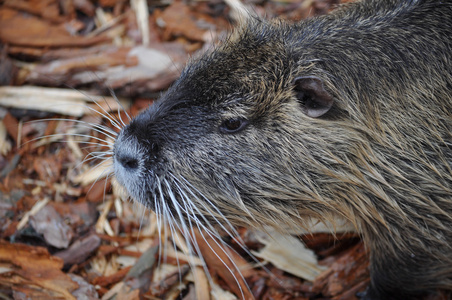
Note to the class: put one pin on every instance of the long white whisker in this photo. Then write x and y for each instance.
(141, 223)
(187, 201)
(209, 209)
(96, 127)
(107, 178)
(73, 134)
(173, 235)
(120, 104)
(212, 230)
(204, 229)
(89, 159)
(106, 114)
(118, 120)
(112, 93)
(215, 237)
(95, 146)
(192, 236)
(158, 214)
(100, 155)
(167, 213)
(235, 234)
(108, 171)
(189, 238)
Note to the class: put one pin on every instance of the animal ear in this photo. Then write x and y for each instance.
(313, 97)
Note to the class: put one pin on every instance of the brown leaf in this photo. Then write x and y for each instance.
(80, 215)
(80, 250)
(161, 287)
(105, 281)
(33, 269)
(8, 70)
(85, 290)
(50, 224)
(86, 7)
(21, 30)
(230, 266)
(179, 21)
(47, 9)
(347, 273)
(96, 192)
(48, 168)
(12, 126)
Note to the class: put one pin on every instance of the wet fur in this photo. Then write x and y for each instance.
(381, 157)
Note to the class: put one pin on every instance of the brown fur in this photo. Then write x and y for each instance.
(380, 157)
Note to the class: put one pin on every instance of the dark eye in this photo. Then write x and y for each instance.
(233, 125)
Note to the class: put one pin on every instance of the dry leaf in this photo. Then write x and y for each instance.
(32, 269)
(50, 224)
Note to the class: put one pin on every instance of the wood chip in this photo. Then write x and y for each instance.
(289, 254)
(61, 101)
(36, 208)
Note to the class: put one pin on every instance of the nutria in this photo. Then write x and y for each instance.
(348, 114)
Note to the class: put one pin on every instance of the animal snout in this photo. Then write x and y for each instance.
(128, 157)
(127, 161)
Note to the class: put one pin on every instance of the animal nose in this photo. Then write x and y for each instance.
(128, 162)
(127, 156)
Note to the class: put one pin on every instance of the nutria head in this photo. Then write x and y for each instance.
(237, 131)
(340, 115)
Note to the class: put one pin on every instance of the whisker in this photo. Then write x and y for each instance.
(166, 217)
(107, 178)
(201, 231)
(173, 234)
(213, 235)
(158, 213)
(101, 175)
(93, 145)
(112, 93)
(106, 114)
(190, 239)
(212, 230)
(99, 155)
(96, 127)
(192, 236)
(89, 159)
(141, 222)
(117, 119)
(69, 134)
(236, 234)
